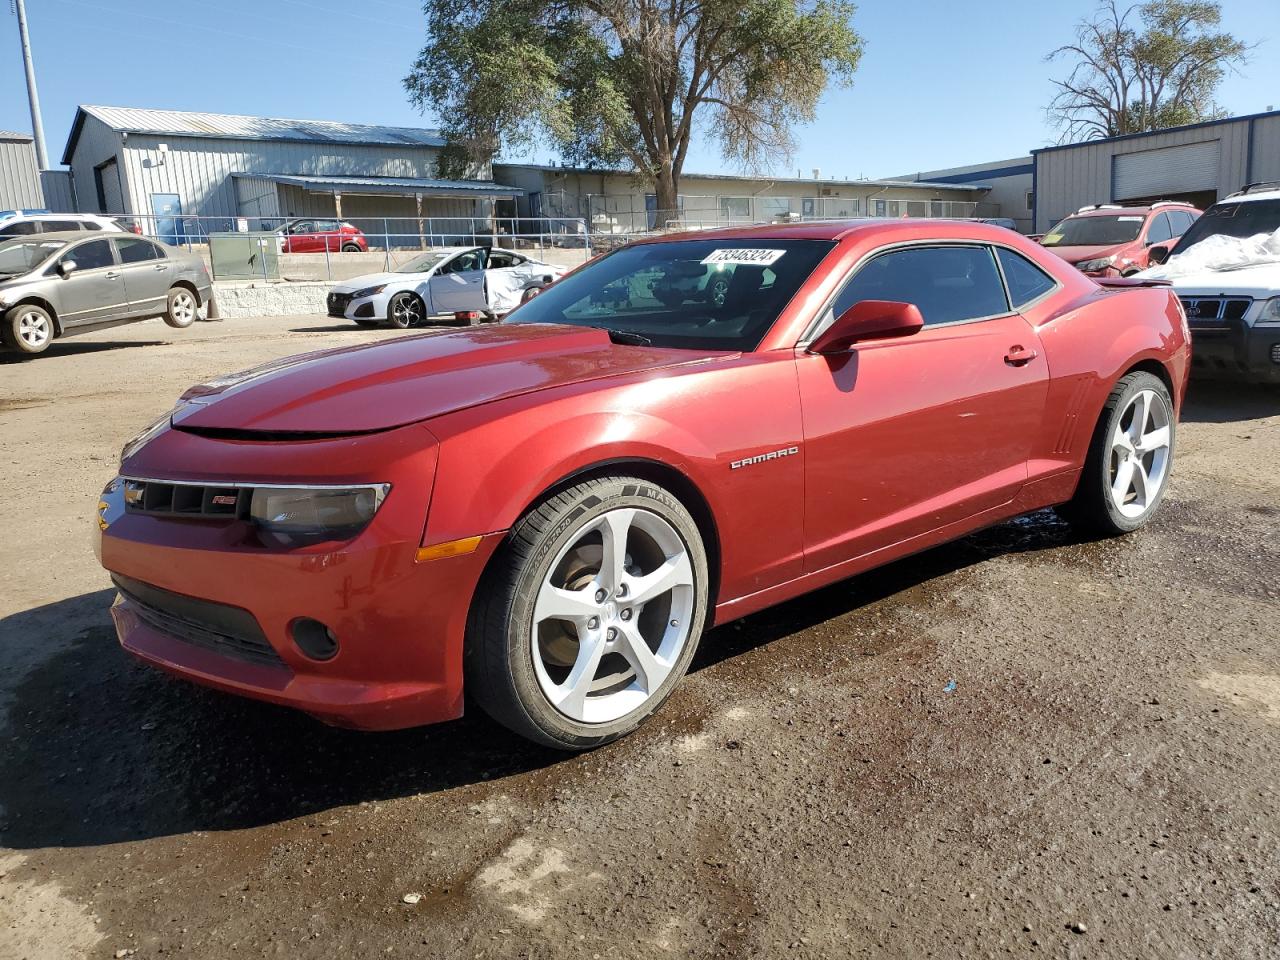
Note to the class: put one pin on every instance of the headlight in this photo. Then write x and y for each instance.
(292, 516)
(1270, 311)
(1100, 264)
(368, 292)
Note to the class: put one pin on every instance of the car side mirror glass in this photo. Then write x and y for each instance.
(67, 267)
(869, 320)
(1158, 254)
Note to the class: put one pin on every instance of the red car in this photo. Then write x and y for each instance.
(316, 236)
(550, 511)
(1108, 240)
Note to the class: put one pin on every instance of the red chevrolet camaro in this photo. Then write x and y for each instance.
(550, 511)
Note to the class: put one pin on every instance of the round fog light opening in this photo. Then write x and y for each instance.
(314, 639)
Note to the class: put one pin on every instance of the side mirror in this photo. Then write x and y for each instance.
(1158, 253)
(869, 320)
(66, 268)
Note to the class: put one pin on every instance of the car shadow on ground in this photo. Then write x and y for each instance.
(1214, 401)
(102, 749)
(72, 348)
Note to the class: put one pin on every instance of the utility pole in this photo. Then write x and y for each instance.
(33, 97)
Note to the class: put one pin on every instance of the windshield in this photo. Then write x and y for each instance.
(20, 256)
(1228, 219)
(1094, 231)
(423, 262)
(695, 294)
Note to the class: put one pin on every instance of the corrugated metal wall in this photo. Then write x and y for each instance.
(96, 145)
(19, 176)
(1072, 177)
(59, 196)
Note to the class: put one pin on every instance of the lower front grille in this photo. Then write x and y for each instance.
(218, 627)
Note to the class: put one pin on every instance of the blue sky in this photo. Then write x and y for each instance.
(941, 84)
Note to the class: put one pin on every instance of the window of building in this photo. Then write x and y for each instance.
(1031, 201)
(1026, 281)
(735, 208)
(773, 208)
(948, 284)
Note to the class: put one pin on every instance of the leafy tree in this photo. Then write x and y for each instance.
(1131, 78)
(631, 82)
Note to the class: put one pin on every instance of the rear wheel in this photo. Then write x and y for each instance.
(1127, 469)
(27, 329)
(180, 309)
(406, 310)
(591, 615)
(350, 248)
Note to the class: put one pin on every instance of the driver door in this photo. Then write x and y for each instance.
(905, 436)
(458, 285)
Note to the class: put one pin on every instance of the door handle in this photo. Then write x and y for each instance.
(112, 275)
(1019, 356)
(160, 266)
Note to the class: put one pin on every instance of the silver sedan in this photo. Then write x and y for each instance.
(60, 284)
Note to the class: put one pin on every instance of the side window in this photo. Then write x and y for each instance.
(501, 258)
(948, 284)
(90, 225)
(303, 226)
(463, 262)
(1181, 220)
(19, 229)
(1026, 281)
(1159, 230)
(57, 226)
(91, 255)
(137, 250)
(326, 226)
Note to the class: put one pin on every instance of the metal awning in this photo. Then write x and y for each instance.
(394, 186)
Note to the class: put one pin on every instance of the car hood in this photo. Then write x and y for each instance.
(391, 383)
(1259, 281)
(374, 279)
(1079, 254)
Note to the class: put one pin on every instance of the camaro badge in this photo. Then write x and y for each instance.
(771, 455)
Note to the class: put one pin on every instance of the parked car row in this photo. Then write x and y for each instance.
(23, 223)
(1109, 240)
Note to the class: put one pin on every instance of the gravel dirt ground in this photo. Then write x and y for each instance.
(1019, 744)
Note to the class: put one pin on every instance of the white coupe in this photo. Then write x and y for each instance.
(447, 281)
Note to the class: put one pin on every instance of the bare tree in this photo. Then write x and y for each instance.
(1130, 77)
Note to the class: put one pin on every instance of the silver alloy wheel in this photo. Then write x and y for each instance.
(1140, 449)
(184, 307)
(406, 309)
(612, 615)
(33, 329)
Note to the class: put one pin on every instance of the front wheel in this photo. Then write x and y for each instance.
(591, 614)
(180, 309)
(1127, 468)
(405, 310)
(28, 329)
(350, 248)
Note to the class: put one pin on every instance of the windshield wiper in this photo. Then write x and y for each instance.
(627, 337)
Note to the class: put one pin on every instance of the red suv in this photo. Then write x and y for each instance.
(316, 236)
(1107, 240)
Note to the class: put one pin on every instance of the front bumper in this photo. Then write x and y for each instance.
(1236, 351)
(400, 624)
(341, 305)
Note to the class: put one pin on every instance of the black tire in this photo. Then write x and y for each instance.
(1093, 510)
(405, 309)
(22, 328)
(500, 672)
(180, 307)
(350, 248)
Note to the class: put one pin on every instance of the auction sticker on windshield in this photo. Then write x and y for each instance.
(757, 258)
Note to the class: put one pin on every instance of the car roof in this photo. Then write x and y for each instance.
(1133, 210)
(1256, 195)
(907, 228)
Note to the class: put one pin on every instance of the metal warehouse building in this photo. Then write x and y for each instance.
(168, 164)
(19, 174)
(1200, 163)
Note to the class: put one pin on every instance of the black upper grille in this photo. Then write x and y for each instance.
(224, 629)
(338, 303)
(166, 499)
(1211, 311)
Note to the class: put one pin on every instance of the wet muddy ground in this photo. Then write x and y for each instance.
(1019, 744)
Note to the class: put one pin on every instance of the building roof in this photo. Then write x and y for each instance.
(1155, 133)
(399, 186)
(14, 135)
(820, 181)
(181, 123)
